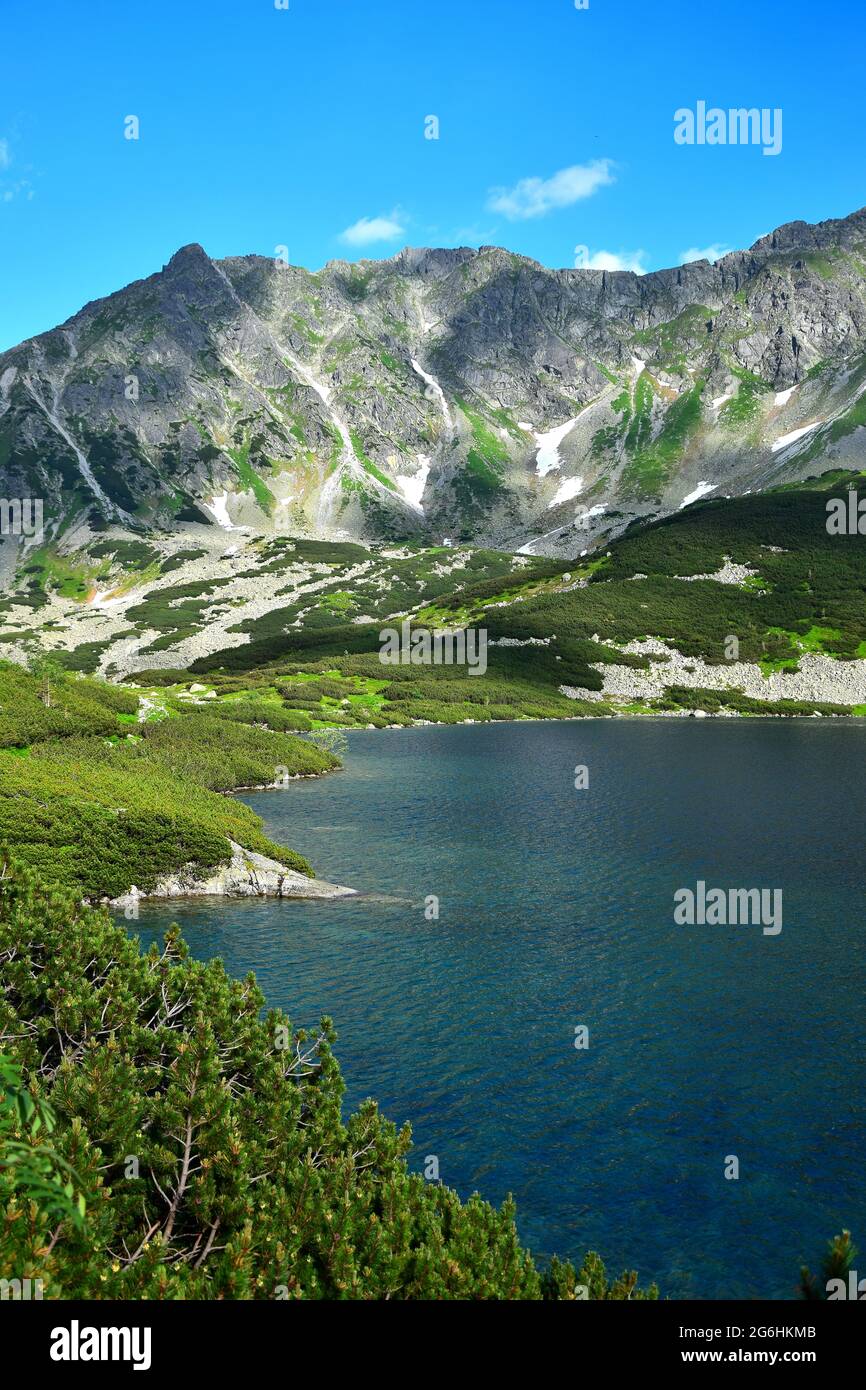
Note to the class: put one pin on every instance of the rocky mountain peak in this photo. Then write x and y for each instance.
(452, 393)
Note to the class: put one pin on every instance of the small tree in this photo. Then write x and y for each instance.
(330, 741)
(47, 669)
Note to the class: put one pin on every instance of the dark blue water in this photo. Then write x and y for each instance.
(556, 909)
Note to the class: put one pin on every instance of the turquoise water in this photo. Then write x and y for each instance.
(556, 910)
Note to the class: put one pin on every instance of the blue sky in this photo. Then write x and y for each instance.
(304, 127)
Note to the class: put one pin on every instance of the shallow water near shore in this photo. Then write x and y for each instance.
(556, 910)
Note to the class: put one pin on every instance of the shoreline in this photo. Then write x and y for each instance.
(247, 874)
(251, 875)
(732, 715)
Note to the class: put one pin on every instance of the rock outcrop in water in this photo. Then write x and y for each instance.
(247, 875)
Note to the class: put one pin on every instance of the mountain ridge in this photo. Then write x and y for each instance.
(440, 393)
(771, 240)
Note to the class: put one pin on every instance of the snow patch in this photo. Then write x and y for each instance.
(782, 397)
(785, 439)
(548, 457)
(568, 488)
(412, 487)
(528, 549)
(700, 491)
(582, 513)
(102, 600)
(437, 391)
(219, 508)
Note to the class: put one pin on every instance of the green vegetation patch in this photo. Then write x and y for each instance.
(744, 407)
(368, 464)
(49, 704)
(487, 444)
(814, 584)
(654, 459)
(96, 808)
(673, 341)
(250, 479)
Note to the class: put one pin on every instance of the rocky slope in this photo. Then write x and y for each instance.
(460, 394)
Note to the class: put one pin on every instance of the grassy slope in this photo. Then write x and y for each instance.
(807, 595)
(91, 798)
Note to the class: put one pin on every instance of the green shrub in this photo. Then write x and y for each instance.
(259, 713)
(249, 1184)
(223, 755)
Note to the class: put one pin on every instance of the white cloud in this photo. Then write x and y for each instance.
(20, 189)
(368, 230)
(611, 260)
(704, 253)
(536, 197)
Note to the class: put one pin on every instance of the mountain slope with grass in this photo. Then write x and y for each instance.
(744, 606)
(183, 606)
(739, 607)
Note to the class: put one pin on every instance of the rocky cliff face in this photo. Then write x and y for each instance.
(466, 394)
